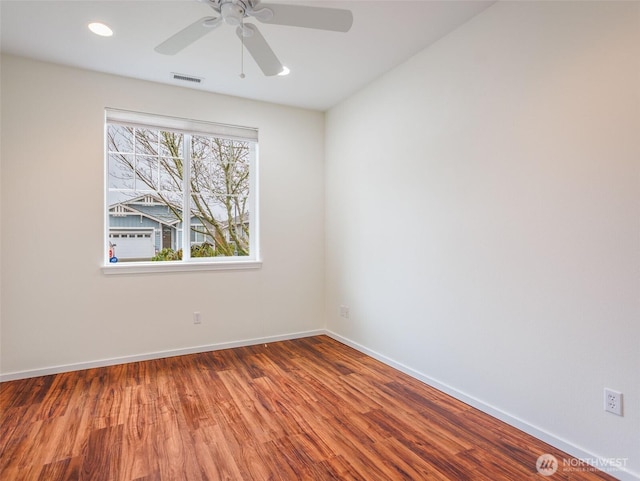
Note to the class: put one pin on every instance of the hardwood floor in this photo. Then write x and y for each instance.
(308, 409)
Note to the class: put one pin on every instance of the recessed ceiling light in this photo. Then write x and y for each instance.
(284, 71)
(100, 29)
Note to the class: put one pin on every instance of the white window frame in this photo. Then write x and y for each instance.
(188, 127)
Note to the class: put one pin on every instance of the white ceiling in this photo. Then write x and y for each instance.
(326, 67)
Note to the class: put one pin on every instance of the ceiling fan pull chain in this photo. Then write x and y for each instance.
(242, 49)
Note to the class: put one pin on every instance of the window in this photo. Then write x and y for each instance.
(180, 194)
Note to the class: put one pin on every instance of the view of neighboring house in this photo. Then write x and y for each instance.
(140, 227)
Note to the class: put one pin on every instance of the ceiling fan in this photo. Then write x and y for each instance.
(233, 12)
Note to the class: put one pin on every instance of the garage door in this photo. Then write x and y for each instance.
(132, 245)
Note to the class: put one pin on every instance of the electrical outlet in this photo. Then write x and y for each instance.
(196, 318)
(344, 312)
(613, 401)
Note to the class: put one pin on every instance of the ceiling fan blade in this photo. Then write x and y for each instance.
(259, 50)
(335, 19)
(188, 35)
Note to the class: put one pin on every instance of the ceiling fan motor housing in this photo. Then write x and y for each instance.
(232, 12)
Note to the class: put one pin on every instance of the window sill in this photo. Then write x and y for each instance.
(178, 266)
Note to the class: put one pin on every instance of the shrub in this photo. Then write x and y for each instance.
(168, 254)
(203, 250)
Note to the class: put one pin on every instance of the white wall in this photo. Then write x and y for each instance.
(57, 306)
(483, 218)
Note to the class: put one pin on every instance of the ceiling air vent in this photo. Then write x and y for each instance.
(186, 78)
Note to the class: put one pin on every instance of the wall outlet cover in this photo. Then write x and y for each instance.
(613, 401)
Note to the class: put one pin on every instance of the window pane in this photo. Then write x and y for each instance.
(170, 144)
(147, 173)
(170, 174)
(147, 142)
(219, 197)
(121, 171)
(120, 138)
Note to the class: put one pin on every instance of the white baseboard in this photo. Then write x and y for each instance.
(12, 376)
(562, 444)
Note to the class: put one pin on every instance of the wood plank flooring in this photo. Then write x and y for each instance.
(308, 409)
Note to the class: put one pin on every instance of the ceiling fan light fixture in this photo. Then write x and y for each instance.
(284, 72)
(232, 14)
(100, 29)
